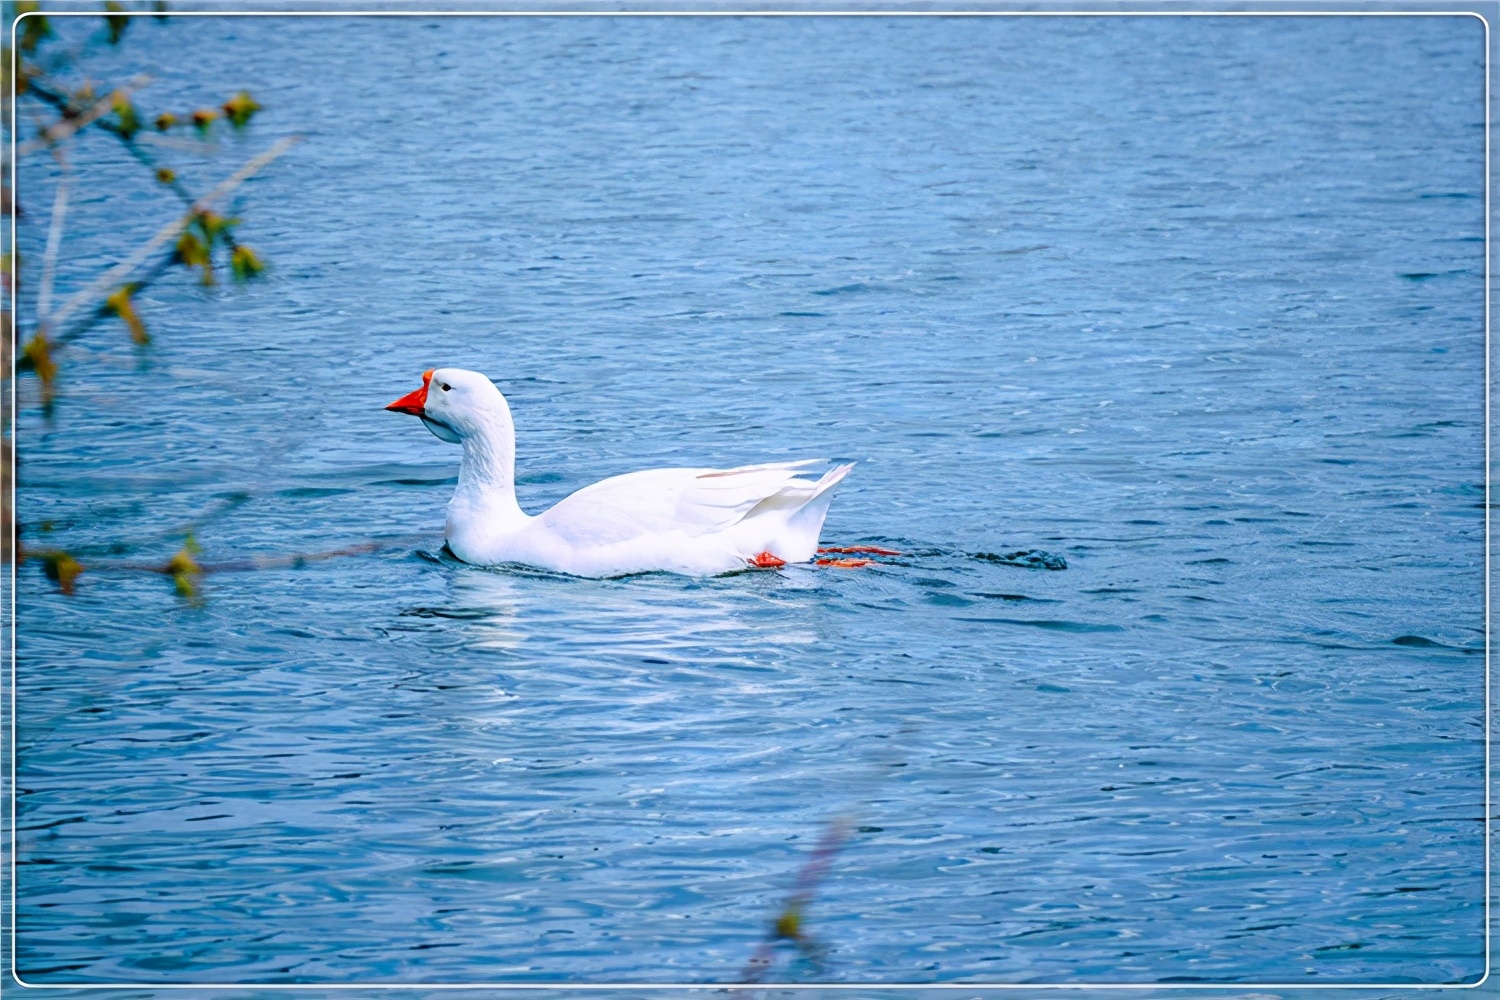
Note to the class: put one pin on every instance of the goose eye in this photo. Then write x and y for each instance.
(445, 386)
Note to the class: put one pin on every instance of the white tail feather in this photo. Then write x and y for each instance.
(793, 516)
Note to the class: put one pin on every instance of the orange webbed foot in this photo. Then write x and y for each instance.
(765, 560)
(845, 563)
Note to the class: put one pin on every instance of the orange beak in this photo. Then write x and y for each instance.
(413, 401)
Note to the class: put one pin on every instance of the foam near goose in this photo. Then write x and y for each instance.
(694, 521)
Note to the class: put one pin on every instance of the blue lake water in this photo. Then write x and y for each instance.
(1195, 304)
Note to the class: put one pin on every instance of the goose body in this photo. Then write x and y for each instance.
(694, 521)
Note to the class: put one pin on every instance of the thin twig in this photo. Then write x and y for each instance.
(148, 161)
(63, 130)
(86, 322)
(296, 560)
(788, 925)
(790, 922)
(173, 182)
(181, 145)
(117, 274)
(132, 144)
(291, 561)
(54, 237)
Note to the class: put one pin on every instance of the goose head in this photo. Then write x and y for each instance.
(455, 404)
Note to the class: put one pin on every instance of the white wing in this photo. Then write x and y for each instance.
(691, 501)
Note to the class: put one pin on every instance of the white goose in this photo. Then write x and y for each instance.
(694, 521)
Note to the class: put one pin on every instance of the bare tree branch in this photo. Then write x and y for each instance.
(181, 145)
(54, 236)
(294, 560)
(120, 272)
(65, 129)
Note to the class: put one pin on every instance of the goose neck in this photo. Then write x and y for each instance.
(487, 472)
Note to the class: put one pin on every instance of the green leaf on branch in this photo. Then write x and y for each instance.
(36, 356)
(184, 569)
(203, 119)
(165, 120)
(215, 228)
(119, 304)
(245, 263)
(34, 29)
(193, 252)
(240, 108)
(62, 569)
(115, 21)
(166, 175)
(127, 121)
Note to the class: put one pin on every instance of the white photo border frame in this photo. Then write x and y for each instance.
(11, 953)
